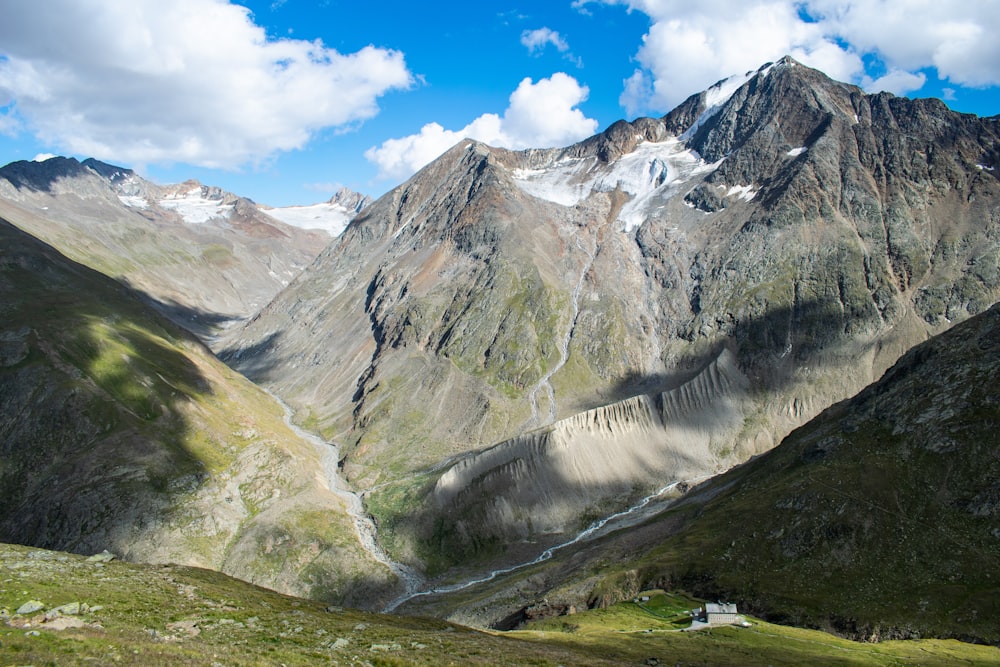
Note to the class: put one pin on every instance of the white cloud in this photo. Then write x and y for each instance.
(539, 115)
(689, 46)
(536, 40)
(42, 157)
(897, 82)
(192, 81)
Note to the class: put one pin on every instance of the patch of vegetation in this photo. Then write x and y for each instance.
(173, 615)
(634, 633)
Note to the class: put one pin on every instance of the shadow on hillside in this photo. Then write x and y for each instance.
(256, 361)
(41, 176)
(94, 441)
(205, 325)
(769, 349)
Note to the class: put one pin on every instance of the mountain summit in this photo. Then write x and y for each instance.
(515, 341)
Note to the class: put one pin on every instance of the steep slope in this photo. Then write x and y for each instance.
(205, 257)
(879, 518)
(118, 430)
(813, 231)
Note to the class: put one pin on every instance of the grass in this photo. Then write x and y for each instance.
(634, 632)
(172, 615)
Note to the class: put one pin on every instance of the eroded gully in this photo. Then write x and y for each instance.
(544, 382)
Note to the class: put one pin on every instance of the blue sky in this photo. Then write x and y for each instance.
(286, 100)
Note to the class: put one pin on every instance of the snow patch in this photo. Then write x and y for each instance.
(650, 174)
(195, 208)
(331, 218)
(134, 201)
(745, 192)
(795, 152)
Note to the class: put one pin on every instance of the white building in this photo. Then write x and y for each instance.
(721, 613)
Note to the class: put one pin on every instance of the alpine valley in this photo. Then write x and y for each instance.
(512, 387)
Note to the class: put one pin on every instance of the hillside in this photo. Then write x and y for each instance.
(88, 611)
(202, 256)
(878, 519)
(120, 431)
(676, 293)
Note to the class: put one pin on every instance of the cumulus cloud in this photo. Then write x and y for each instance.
(192, 81)
(689, 46)
(539, 115)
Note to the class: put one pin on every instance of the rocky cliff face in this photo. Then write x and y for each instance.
(119, 431)
(812, 230)
(203, 256)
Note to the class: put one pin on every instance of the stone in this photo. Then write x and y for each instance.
(64, 623)
(30, 607)
(103, 557)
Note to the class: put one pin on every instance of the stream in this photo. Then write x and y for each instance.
(627, 517)
(413, 582)
(364, 526)
(563, 348)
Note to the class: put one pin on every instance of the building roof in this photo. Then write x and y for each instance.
(720, 608)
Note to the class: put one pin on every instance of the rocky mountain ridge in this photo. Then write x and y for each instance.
(813, 230)
(204, 256)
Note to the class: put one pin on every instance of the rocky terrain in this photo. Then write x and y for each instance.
(120, 431)
(203, 256)
(878, 519)
(513, 348)
(799, 230)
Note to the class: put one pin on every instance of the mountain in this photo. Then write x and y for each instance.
(204, 256)
(878, 519)
(513, 343)
(120, 431)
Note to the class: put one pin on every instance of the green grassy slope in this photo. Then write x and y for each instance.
(128, 614)
(119, 430)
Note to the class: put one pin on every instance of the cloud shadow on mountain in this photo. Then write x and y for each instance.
(770, 348)
(205, 325)
(94, 436)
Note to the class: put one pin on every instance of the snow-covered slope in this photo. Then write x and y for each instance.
(195, 207)
(653, 173)
(327, 216)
